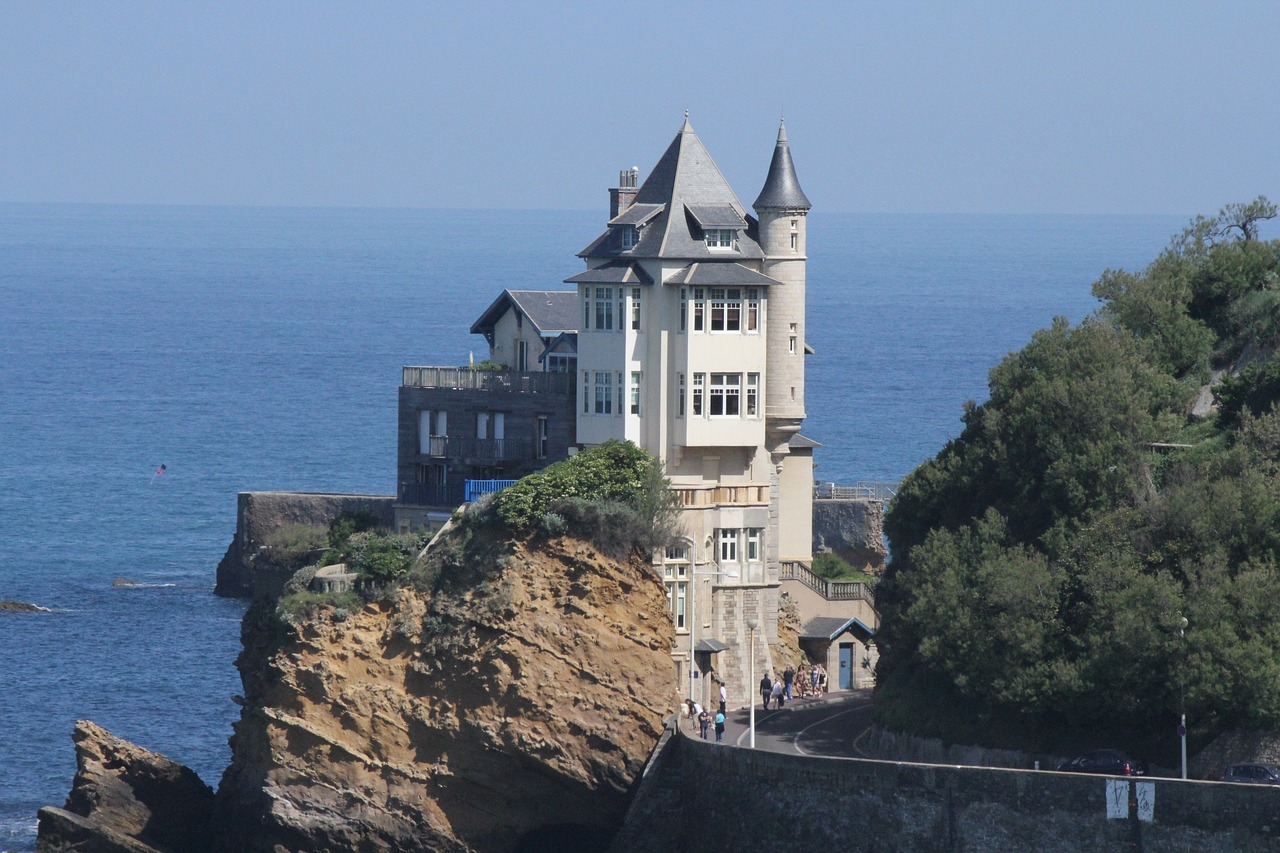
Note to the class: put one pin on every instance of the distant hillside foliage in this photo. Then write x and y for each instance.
(1045, 559)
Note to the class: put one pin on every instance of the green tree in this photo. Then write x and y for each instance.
(1044, 559)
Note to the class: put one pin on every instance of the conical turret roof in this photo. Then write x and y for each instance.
(782, 187)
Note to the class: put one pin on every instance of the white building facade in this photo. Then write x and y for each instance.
(691, 344)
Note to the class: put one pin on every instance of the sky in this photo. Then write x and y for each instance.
(891, 107)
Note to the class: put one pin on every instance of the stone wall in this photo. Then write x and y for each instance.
(739, 799)
(259, 513)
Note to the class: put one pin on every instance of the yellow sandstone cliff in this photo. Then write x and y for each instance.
(513, 706)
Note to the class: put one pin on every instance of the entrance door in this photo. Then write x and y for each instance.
(846, 666)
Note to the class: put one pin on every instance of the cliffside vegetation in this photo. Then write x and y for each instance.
(1045, 559)
(614, 496)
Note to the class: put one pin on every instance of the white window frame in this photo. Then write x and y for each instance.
(720, 239)
(637, 379)
(630, 236)
(603, 394)
(725, 395)
(727, 546)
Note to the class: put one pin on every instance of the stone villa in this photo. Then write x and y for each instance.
(686, 335)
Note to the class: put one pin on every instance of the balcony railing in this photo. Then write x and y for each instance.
(724, 496)
(482, 449)
(430, 494)
(469, 379)
(476, 488)
(858, 491)
(830, 590)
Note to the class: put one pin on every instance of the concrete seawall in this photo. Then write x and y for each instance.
(738, 799)
(259, 513)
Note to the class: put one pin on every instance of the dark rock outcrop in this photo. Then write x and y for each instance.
(853, 529)
(126, 799)
(21, 607)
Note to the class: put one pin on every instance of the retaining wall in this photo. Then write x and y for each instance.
(739, 799)
(259, 513)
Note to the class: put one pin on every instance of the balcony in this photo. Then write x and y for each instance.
(431, 494)
(469, 379)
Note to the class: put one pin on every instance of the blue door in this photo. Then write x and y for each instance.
(846, 666)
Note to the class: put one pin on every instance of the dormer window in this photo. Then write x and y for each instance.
(720, 238)
(630, 236)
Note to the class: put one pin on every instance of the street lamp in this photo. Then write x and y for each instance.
(1182, 698)
(752, 624)
(693, 624)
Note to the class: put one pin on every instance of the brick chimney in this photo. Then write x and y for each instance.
(621, 196)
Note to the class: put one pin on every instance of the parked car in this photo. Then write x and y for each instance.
(1253, 774)
(1108, 762)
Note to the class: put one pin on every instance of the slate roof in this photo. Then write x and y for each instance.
(685, 178)
(614, 272)
(717, 274)
(550, 311)
(830, 627)
(782, 187)
(799, 441)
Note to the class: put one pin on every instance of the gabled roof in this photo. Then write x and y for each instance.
(565, 343)
(614, 272)
(782, 187)
(721, 273)
(830, 627)
(550, 311)
(684, 179)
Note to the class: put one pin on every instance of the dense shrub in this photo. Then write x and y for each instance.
(382, 558)
(613, 493)
(295, 545)
(833, 567)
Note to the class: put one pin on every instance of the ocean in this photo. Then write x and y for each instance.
(260, 348)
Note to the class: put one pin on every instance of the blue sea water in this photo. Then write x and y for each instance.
(260, 348)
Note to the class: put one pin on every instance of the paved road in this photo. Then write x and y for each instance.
(831, 725)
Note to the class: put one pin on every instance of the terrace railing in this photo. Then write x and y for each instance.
(470, 379)
(866, 491)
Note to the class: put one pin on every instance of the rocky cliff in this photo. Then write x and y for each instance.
(502, 707)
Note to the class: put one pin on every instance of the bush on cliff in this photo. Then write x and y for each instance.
(615, 495)
(1044, 559)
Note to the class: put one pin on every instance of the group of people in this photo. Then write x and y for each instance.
(702, 718)
(810, 681)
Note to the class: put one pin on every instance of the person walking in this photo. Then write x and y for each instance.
(787, 677)
(704, 721)
(776, 690)
(719, 726)
(766, 690)
(724, 698)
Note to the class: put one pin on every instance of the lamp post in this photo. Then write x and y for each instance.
(1182, 695)
(752, 624)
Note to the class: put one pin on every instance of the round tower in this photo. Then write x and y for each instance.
(782, 208)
